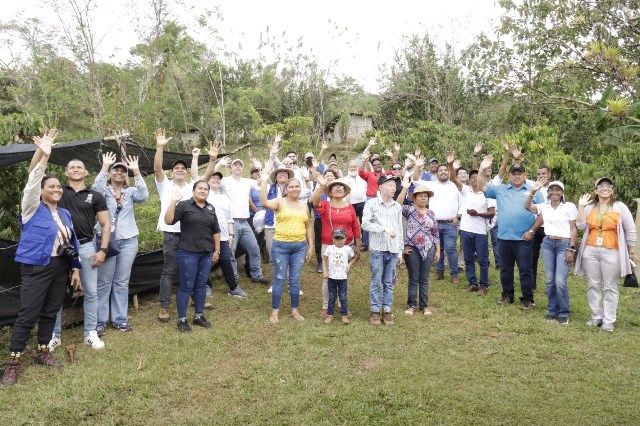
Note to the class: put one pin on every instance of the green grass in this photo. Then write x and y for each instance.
(472, 362)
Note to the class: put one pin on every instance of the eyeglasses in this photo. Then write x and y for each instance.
(605, 186)
(338, 187)
(396, 168)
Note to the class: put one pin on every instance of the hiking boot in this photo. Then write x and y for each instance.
(549, 317)
(124, 327)
(525, 305)
(455, 279)
(10, 376)
(328, 319)
(374, 318)
(93, 340)
(594, 323)
(238, 292)
(344, 319)
(439, 275)
(387, 318)
(44, 357)
(183, 326)
(164, 316)
(201, 321)
(563, 320)
(54, 343)
(482, 291)
(262, 280)
(505, 300)
(471, 288)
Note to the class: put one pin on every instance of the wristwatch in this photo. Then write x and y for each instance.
(105, 250)
(532, 231)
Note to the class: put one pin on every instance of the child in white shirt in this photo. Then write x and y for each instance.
(336, 262)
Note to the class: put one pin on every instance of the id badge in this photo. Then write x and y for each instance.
(599, 241)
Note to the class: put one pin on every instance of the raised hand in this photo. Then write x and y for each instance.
(420, 160)
(417, 152)
(45, 142)
(176, 195)
(161, 138)
(195, 152)
(256, 163)
(372, 141)
(108, 158)
(306, 174)
(275, 147)
(224, 161)
(325, 145)
(477, 149)
(388, 153)
(516, 152)
(585, 200)
(450, 157)
(538, 184)
(505, 146)
(406, 182)
(396, 147)
(457, 164)
(214, 149)
(486, 162)
(132, 164)
(321, 179)
(268, 166)
(278, 138)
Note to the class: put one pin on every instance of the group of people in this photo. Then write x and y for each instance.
(415, 212)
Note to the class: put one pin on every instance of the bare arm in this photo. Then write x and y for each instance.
(195, 153)
(105, 225)
(161, 142)
(310, 241)
(323, 151)
(482, 179)
(214, 148)
(451, 156)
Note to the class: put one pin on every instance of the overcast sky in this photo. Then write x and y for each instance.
(347, 37)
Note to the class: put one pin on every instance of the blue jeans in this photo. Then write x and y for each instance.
(494, 246)
(383, 268)
(448, 239)
(243, 235)
(89, 280)
(226, 265)
(287, 257)
(478, 244)
(337, 289)
(113, 283)
(418, 270)
(556, 270)
(518, 252)
(193, 271)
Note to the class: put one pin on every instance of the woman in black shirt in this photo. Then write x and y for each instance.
(199, 246)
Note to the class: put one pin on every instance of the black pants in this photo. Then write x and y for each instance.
(224, 261)
(41, 296)
(317, 235)
(537, 243)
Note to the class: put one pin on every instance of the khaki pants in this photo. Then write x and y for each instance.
(602, 267)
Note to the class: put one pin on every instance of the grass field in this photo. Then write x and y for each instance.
(472, 363)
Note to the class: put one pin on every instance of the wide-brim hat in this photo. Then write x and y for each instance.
(420, 189)
(274, 173)
(347, 188)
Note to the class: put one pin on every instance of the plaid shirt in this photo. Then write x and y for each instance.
(376, 217)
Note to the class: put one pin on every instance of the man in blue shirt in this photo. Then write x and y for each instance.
(515, 230)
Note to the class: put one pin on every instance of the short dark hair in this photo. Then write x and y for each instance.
(200, 181)
(473, 172)
(461, 168)
(290, 152)
(45, 178)
(332, 155)
(443, 165)
(544, 166)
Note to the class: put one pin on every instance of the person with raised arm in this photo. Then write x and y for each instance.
(198, 248)
(48, 253)
(559, 245)
(292, 243)
(607, 250)
(517, 228)
(114, 274)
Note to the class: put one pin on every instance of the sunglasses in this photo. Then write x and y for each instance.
(605, 186)
(396, 168)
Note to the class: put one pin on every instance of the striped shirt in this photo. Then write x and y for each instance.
(376, 217)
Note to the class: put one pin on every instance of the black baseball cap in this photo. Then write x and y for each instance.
(516, 168)
(184, 163)
(384, 178)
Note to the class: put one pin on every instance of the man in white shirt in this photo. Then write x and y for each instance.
(171, 238)
(476, 213)
(358, 195)
(238, 189)
(445, 203)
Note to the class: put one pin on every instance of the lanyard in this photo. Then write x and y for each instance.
(601, 217)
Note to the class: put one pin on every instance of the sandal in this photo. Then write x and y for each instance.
(296, 316)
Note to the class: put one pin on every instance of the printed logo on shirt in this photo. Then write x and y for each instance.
(89, 199)
(210, 208)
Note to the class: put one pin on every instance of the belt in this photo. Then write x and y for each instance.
(446, 221)
(172, 233)
(553, 237)
(240, 218)
(85, 240)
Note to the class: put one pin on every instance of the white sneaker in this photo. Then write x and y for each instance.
(93, 340)
(54, 343)
(270, 289)
(301, 293)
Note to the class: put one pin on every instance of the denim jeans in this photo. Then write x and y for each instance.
(418, 270)
(383, 268)
(518, 252)
(478, 244)
(556, 270)
(337, 289)
(289, 257)
(193, 270)
(243, 235)
(494, 246)
(169, 268)
(113, 283)
(226, 266)
(89, 280)
(537, 246)
(448, 239)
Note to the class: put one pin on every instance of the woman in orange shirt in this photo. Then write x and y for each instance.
(606, 250)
